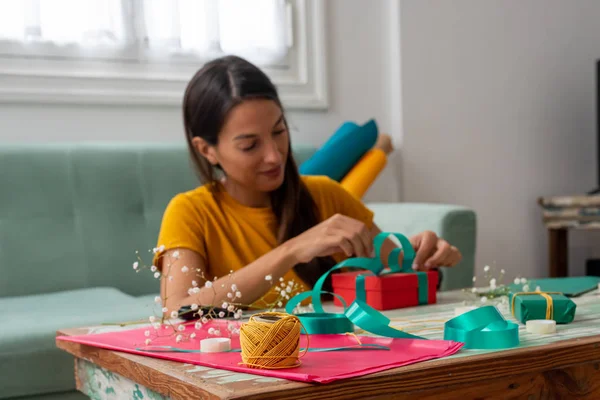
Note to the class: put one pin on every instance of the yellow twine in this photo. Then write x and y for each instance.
(271, 340)
(545, 295)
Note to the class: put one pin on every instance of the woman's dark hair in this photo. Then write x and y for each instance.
(214, 90)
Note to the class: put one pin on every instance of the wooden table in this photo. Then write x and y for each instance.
(561, 366)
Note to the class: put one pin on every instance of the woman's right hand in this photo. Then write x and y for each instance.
(334, 235)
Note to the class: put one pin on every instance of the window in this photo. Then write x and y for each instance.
(145, 51)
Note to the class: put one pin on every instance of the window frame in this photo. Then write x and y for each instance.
(302, 85)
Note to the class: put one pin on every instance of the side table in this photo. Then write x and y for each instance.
(561, 214)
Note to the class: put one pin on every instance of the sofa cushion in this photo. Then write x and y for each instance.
(30, 362)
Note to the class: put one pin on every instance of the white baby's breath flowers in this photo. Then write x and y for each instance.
(198, 325)
(517, 281)
(502, 271)
(190, 291)
(526, 288)
(196, 290)
(233, 287)
(484, 299)
(474, 278)
(170, 278)
(178, 338)
(157, 300)
(194, 306)
(181, 328)
(281, 279)
(176, 254)
(193, 335)
(194, 283)
(231, 308)
(165, 309)
(230, 295)
(279, 304)
(208, 284)
(204, 320)
(486, 268)
(211, 331)
(224, 305)
(268, 278)
(238, 294)
(474, 290)
(156, 325)
(538, 289)
(147, 333)
(152, 319)
(157, 275)
(153, 268)
(221, 314)
(174, 314)
(217, 332)
(148, 341)
(523, 281)
(136, 265)
(185, 269)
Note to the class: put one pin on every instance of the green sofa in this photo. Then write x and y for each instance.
(72, 217)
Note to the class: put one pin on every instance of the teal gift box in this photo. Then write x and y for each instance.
(526, 306)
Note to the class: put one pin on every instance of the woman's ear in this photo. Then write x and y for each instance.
(206, 150)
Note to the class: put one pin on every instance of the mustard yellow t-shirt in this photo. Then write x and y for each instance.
(228, 235)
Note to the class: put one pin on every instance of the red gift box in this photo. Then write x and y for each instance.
(384, 292)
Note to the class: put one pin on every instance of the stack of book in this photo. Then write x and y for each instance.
(579, 211)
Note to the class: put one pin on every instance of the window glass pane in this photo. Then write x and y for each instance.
(12, 19)
(87, 22)
(253, 29)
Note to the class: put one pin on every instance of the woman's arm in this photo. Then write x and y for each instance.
(184, 269)
(181, 267)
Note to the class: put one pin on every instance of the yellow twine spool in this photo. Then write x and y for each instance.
(271, 340)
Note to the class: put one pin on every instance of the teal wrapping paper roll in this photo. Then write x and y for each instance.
(359, 313)
(342, 151)
(482, 328)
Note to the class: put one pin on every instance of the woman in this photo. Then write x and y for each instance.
(259, 222)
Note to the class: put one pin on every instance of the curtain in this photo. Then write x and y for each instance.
(255, 29)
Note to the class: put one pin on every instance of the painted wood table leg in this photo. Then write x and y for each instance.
(558, 249)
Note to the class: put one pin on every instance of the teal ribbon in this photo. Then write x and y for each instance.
(482, 328)
(171, 349)
(359, 313)
(325, 323)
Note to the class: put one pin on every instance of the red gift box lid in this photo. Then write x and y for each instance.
(385, 282)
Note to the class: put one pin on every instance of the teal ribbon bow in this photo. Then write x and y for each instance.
(482, 328)
(359, 313)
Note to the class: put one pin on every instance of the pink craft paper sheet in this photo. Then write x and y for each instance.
(319, 367)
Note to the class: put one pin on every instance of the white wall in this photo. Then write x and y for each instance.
(498, 104)
(364, 84)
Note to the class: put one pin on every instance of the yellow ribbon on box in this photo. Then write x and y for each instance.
(546, 295)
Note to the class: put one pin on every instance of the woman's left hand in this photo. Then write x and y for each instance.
(433, 252)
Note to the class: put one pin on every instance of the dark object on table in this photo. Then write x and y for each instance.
(186, 312)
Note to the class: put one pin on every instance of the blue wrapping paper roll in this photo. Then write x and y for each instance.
(342, 151)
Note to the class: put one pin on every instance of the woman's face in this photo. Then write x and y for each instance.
(253, 145)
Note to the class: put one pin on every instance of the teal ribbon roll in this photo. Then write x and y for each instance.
(359, 312)
(482, 328)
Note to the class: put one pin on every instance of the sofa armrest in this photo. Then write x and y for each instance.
(455, 224)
